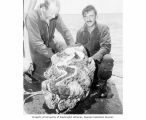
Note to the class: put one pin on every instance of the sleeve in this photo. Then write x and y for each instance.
(61, 27)
(78, 37)
(35, 38)
(105, 44)
(32, 5)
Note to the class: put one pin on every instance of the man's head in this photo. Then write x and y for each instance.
(89, 14)
(49, 9)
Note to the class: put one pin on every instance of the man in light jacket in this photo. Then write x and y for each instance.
(41, 24)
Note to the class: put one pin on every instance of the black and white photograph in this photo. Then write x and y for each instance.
(72, 57)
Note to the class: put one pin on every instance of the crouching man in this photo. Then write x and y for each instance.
(96, 39)
(41, 24)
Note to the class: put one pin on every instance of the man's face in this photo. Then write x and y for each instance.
(90, 18)
(51, 13)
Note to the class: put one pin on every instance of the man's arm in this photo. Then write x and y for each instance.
(35, 38)
(105, 44)
(61, 27)
(78, 38)
(31, 6)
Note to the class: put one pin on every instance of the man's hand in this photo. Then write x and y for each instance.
(27, 66)
(91, 64)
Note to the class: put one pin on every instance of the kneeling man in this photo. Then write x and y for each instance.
(96, 39)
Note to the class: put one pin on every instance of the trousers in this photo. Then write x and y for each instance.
(103, 70)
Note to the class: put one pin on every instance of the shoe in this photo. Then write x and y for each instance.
(95, 91)
(105, 93)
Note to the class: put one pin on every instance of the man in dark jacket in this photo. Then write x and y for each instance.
(96, 39)
(41, 24)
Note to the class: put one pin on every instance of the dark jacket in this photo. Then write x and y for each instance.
(98, 43)
(41, 37)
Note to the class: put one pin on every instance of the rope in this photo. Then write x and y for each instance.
(117, 76)
(31, 94)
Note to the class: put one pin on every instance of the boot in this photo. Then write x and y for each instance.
(104, 91)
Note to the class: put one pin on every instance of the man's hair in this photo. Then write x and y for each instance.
(46, 3)
(89, 8)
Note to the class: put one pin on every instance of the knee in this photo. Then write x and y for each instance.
(60, 45)
(107, 62)
(108, 58)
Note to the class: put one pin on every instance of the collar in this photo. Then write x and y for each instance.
(86, 29)
(39, 15)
